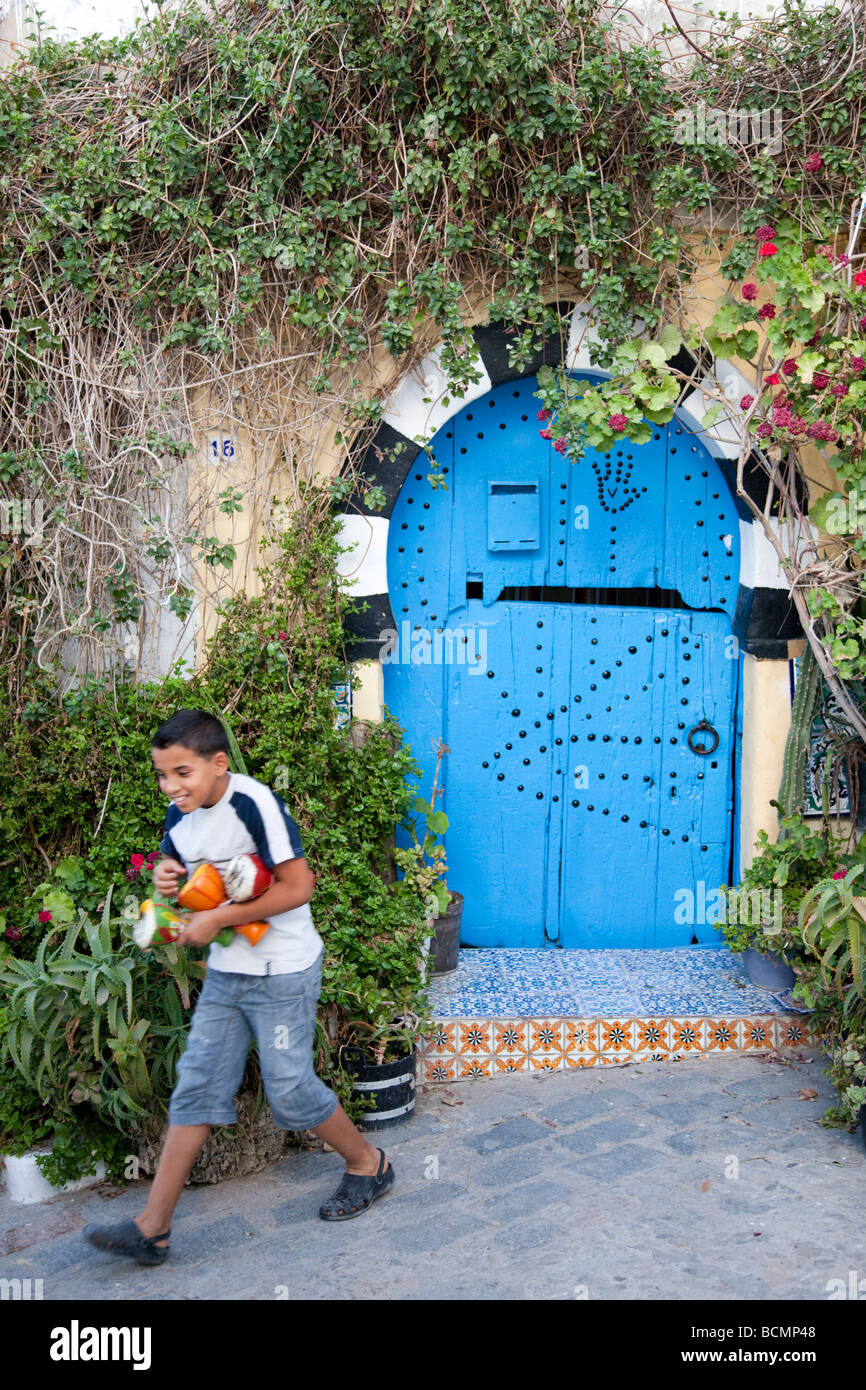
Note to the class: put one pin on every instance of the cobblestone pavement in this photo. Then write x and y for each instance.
(709, 1178)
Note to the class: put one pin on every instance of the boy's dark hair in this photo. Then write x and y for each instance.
(195, 729)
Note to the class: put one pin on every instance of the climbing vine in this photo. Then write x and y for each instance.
(253, 218)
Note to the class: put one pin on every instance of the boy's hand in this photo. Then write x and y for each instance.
(201, 928)
(166, 876)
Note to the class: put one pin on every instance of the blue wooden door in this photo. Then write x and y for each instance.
(565, 629)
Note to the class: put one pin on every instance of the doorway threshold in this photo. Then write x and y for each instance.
(505, 1010)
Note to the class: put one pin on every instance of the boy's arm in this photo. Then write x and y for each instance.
(292, 887)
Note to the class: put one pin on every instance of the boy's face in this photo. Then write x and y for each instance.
(189, 779)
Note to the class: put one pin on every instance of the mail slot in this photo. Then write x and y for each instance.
(513, 516)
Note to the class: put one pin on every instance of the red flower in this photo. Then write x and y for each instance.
(840, 873)
(764, 430)
(814, 340)
(843, 260)
(136, 860)
(747, 402)
(546, 434)
(820, 430)
(789, 366)
(131, 874)
(154, 855)
(561, 445)
(773, 379)
(750, 292)
(45, 917)
(13, 933)
(813, 164)
(618, 423)
(820, 380)
(839, 390)
(769, 248)
(860, 277)
(861, 324)
(767, 311)
(765, 233)
(281, 636)
(858, 364)
(544, 414)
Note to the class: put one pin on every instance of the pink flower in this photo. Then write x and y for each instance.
(840, 873)
(281, 636)
(767, 311)
(858, 364)
(45, 917)
(820, 430)
(13, 933)
(544, 414)
(813, 164)
(843, 260)
(546, 434)
(814, 340)
(764, 430)
(860, 277)
(618, 423)
(765, 233)
(861, 324)
(561, 445)
(789, 366)
(747, 402)
(154, 855)
(131, 874)
(825, 251)
(839, 390)
(136, 860)
(750, 292)
(772, 380)
(820, 380)
(769, 248)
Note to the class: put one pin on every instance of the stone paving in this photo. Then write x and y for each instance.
(709, 1178)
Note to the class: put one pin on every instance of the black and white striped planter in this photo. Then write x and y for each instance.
(391, 1086)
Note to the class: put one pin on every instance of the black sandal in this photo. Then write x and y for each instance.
(126, 1239)
(357, 1192)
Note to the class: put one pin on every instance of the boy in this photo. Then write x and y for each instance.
(268, 991)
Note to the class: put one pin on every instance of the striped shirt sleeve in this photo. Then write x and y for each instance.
(266, 818)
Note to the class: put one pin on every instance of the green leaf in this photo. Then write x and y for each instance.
(653, 353)
(671, 340)
(711, 416)
(437, 822)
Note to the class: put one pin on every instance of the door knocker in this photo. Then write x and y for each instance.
(703, 727)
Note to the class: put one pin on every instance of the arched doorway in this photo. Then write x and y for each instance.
(566, 629)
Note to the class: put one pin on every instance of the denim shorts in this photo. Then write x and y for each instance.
(279, 1011)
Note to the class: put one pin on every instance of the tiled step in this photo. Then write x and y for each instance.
(521, 1010)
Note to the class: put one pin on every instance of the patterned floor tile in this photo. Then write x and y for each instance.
(474, 1038)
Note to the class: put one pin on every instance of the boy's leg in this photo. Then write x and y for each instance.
(209, 1073)
(284, 1021)
(182, 1143)
(360, 1156)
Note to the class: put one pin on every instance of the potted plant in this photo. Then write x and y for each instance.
(779, 876)
(423, 866)
(381, 1061)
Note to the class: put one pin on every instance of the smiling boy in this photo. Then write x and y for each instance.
(268, 992)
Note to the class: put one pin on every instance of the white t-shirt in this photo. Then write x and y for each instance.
(248, 819)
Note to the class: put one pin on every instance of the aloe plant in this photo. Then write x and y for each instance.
(74, 1032)
(831, 923)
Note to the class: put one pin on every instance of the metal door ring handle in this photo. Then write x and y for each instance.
(703, 727)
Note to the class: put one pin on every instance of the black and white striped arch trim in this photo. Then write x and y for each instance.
(764, 620)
